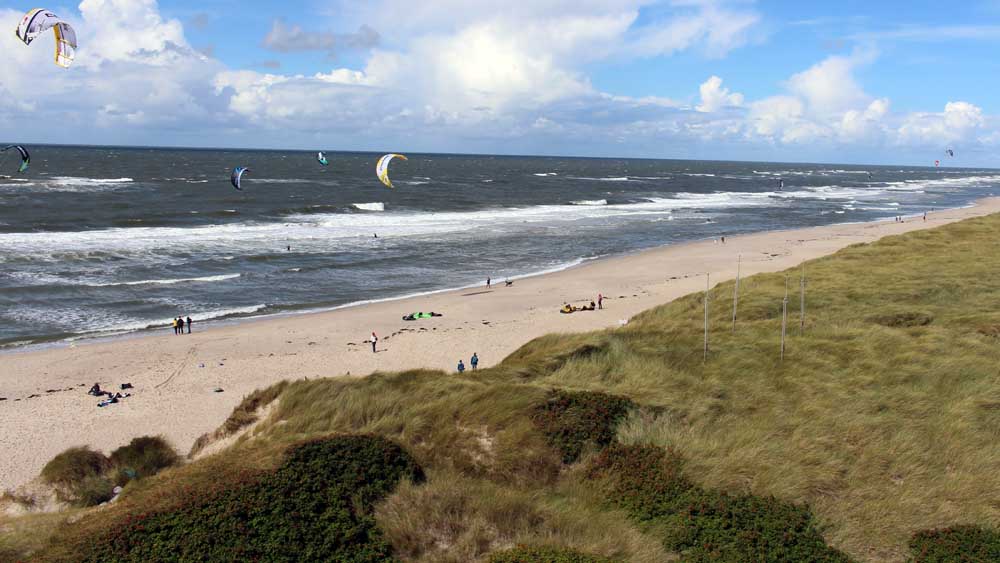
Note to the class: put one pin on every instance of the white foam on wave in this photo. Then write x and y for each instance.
(590, 202)
(203, 279)
(544, 174)
(75, 181)
(696, 174)
(373, 206)
(70, 183)
(607, 179)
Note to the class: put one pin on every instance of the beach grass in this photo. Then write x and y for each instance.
(880, 422)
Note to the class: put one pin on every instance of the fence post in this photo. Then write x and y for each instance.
(736, 290)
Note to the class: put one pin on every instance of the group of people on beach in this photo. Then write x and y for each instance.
(179, 323)
(473, 361)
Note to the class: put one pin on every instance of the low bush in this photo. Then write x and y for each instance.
(315, 507)
(75, 465)
(572, 420)
(522, 554)
(903, 320)
(78, 476)
(965, 544)
(706, 525)
(143, 457)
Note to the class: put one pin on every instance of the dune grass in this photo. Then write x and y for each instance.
(881, 424)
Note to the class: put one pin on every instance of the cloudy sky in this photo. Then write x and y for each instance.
(846, 81)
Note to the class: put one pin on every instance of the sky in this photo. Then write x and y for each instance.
(790, 81)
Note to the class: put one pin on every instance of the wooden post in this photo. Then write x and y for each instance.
(736, 290)
(705, 356)
(802, 301)
(784, 319)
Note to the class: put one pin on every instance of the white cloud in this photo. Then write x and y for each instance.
(959, 121)
(714, 97)
(450, 74)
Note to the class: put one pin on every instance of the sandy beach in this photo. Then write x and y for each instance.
(46, 408)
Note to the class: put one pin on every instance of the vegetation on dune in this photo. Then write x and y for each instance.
(245, 414)
(966, 544)
(545, 555)
(84, 477)
(573, 421)
(875, 439)
(314, 507)
(142, 457)
(706, 525)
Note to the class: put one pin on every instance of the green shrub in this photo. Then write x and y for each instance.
(74, 465)
(706, 525)
(77, 475)
(522, 554)
(92, 491)
(315, 507)
(965, 544)
(143, 457)
(572, 420)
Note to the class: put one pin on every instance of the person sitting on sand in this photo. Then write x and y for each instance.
(95, 390)
(567, 308)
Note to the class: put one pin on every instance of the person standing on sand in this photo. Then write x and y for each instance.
(374, 341)
(474, 361)
(488, 280)
(177, 324)
(461, 367)
(189, 325)
(600, 301)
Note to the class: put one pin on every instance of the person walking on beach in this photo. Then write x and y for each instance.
(189, 325)
(600, 301)
(374, 341)
(474, 361)
(461, 367)
(488, 281)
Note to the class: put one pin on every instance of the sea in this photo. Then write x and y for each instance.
(101, 241)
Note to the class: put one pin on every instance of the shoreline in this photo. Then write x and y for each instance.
(74, 340)
(47, 409)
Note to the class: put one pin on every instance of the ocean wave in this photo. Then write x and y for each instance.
(544, 174)
(698, 174)
(607, 179)
(373, 206)
(75, 181)
(590, 202)
(203, 279)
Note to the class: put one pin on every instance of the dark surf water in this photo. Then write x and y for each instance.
(105, 240)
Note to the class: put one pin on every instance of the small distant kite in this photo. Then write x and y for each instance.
(382, 168)
(237, 176)
(321, 158)
(37, 21)
(25, 157)
(937, 163)
(950, 152)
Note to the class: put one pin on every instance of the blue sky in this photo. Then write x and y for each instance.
(848, 81)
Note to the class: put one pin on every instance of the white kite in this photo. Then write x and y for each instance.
(382, 168)
(38, 21)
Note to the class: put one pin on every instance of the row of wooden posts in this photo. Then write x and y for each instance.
(784, 306)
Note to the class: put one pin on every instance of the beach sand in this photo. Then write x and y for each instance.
(47, 409)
